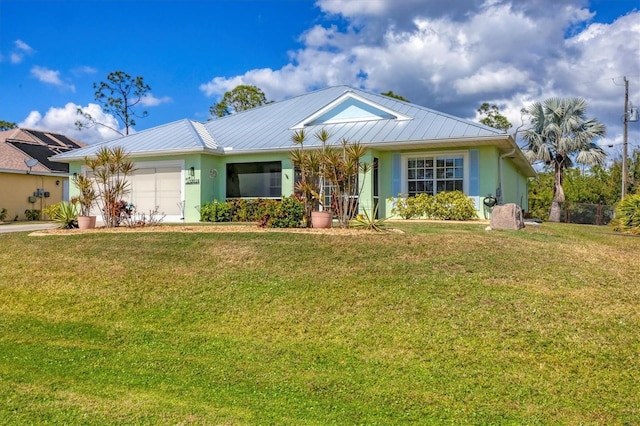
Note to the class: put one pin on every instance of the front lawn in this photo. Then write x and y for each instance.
(442, 324)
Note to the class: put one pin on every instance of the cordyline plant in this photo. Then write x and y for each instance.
(110, 169)
(329, 168)
(88, 195)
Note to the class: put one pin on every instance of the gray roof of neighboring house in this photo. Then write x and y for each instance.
(270, 127)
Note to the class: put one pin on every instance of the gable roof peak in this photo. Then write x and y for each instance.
(350, 107)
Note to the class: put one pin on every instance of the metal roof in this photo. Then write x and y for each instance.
(172, 138)
(270, 127)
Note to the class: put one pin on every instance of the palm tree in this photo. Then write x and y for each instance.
(560, 134)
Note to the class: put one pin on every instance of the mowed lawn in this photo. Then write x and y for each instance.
(444, 323)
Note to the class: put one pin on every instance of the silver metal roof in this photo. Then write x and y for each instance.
(270, 127)
(172, 138)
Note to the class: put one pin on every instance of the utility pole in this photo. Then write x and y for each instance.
(625, 137)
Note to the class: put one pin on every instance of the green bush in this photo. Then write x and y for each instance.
(3, 214)
(410, 207)
(215, 211)
(454, 205)
(627, 216)
(32, 214)
(64, 214)
(51, 210)
(287, 213)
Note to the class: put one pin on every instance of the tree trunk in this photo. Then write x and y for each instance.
(556, 209)
(558, 195)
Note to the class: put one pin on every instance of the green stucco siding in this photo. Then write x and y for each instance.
(209, 180)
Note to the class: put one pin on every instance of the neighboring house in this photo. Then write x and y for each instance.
(29, 180)
(185, 164)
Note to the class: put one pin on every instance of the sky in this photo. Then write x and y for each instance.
(448, 55)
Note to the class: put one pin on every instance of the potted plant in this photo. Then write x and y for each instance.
(329, 168)
(110, 169)
(309, 164)
(86, 200)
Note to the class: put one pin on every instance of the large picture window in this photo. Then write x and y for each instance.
(254, 180)
(433, 174)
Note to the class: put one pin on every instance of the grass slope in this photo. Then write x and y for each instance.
(442, 324)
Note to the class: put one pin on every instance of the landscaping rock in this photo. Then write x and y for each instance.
(507, 216)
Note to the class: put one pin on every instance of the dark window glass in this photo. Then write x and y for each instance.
(254, 180)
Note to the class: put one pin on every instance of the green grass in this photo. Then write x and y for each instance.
(443, 324)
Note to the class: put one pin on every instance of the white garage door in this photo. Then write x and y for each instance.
(160, 187)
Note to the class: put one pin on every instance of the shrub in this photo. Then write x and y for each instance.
(136, 219)
(454, 205)
(216, 211)
(3, 214)
(406, 208)
(287, 213)
(369, 221)
(64, 214)
(51, 210)
(32, 214)
(627, 216)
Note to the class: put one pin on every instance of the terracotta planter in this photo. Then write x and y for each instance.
(321, 219)
(86, 222)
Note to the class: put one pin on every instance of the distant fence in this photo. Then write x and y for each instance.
(590, 214)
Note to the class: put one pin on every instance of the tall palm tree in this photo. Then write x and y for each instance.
(560, 134)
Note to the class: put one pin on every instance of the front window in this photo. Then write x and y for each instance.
(254, 180)
(435, 174)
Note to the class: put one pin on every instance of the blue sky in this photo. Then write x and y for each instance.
(447, 55)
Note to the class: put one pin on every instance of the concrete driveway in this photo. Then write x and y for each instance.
(23, 227)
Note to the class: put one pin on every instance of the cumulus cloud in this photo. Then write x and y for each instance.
(63, 120)
(453, 56)
(19, 51)
(150, 100)
(52, 77)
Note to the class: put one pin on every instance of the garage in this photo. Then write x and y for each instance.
(157, 186)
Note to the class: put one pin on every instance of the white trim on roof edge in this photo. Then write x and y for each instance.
(349, 94)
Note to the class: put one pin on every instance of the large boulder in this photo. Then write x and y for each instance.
(507, 216)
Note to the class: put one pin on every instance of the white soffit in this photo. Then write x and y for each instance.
(350, 108)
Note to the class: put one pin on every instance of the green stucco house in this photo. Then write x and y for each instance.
(184, 164)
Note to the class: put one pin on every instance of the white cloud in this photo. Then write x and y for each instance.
(63, 120)
(16, 57)
(22, 46)
(52, 77)
(20, 50)
(84, 70)
(453, 56)
(495, 77)
(46, 75)
(150, 100)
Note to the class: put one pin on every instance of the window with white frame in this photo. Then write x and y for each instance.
(432, 174)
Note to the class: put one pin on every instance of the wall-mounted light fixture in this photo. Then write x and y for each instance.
(192, 171)
(75, 175)
(57, 183)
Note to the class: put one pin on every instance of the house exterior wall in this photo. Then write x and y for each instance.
(209, 180)
(481, 175)
(516, 188)
(16, 187)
